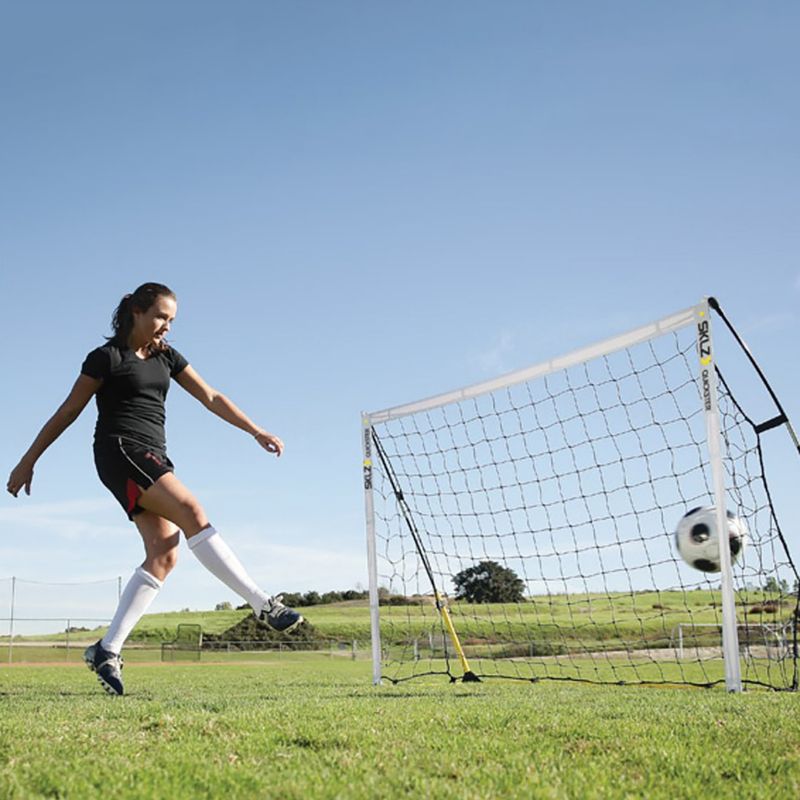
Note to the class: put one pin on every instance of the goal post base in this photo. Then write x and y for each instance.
(468, 677)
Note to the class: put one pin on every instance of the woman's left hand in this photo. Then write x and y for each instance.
(270, 442)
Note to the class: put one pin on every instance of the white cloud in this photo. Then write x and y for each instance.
(78, 541)
(492, 361)
(770, 323)
(65, 507)
(290, 567)
(70, 520)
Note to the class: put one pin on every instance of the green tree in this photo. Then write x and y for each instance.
(311, 598)
(777, 586)
(489, 582)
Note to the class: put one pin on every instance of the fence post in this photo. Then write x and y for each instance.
(66, 655)
(11, 620)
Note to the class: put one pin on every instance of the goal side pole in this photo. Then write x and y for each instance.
(708, 384)
(372, 555)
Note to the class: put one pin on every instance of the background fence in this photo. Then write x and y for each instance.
(38, 614)
(53, 622)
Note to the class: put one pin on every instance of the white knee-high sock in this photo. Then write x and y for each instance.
(219, 560)
(140, 591)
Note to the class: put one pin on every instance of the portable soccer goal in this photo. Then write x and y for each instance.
(186, 646)
(524, 527)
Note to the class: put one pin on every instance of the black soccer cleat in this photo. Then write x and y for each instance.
(107, 665)
(279, 617)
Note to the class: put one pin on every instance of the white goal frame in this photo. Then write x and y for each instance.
(697, 316)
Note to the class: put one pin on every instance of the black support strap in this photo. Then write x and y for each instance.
(771, 423)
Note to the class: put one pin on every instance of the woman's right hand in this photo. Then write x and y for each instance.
(21, 475)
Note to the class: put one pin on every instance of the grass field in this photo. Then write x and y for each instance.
(314, 727)
(625, 638)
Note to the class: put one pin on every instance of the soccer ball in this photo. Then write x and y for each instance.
(698, 542)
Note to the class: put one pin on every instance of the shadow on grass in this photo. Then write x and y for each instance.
(406, 694)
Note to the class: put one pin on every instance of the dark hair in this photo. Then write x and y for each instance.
(142, 299)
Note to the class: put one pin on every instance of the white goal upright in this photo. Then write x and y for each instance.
(524, 527)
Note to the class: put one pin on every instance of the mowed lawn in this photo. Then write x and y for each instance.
(309, 727)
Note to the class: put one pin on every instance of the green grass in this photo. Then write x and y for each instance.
(311, 727)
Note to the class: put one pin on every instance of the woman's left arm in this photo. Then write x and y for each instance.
(224, 408)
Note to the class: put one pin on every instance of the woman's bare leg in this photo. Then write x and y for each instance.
(161, 539)
(161, 552)
(170, 499)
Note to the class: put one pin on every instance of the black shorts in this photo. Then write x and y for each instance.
(126, 468)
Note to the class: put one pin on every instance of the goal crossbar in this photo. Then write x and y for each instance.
(670, 323)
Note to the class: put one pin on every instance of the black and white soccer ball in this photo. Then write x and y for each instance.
(698, 542)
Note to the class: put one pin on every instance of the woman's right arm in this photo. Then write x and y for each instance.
(67, 413)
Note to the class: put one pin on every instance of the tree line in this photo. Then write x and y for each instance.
(486, 582)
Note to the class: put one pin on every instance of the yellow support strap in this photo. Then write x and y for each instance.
(469, 676)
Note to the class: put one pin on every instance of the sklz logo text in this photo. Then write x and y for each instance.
(706, 390)
(704, 342)
(704, 350)
(367, 458)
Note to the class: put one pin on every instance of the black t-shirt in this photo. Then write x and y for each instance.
(130, 402)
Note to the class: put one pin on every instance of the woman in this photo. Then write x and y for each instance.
(130, 376)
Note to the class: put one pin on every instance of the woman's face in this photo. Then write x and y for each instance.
(153, 325)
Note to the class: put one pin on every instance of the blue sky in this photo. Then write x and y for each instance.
(359, 204)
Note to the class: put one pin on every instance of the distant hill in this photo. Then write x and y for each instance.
(249, 629)
(346, 620)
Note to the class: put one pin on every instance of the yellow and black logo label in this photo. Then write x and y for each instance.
(367, 457)
(704, 341)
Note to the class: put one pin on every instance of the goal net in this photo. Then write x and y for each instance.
(524, 527)
(186, 646)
